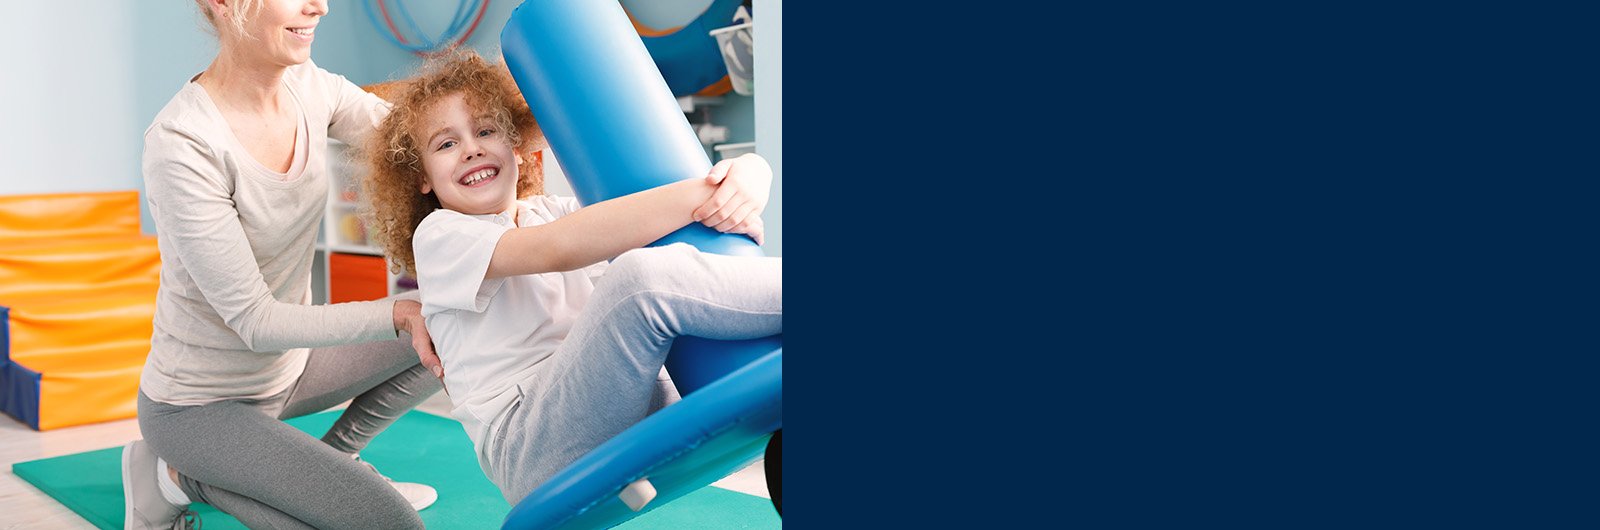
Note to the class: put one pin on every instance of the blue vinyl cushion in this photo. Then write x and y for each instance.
(683, 447)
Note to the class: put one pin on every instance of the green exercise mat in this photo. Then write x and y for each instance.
(419, 447)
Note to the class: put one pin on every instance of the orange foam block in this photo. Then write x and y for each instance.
(68, 265)
(66, 215)
(77, 297)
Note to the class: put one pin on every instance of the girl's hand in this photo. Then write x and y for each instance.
(743, 186)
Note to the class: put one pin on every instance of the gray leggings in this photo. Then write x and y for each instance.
(604, 376)
(241, 458)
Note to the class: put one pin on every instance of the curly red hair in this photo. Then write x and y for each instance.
(396, 204)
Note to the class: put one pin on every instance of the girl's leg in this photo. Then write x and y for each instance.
(602, 378)
(250, 465)
(384, 380)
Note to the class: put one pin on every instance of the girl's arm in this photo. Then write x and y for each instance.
(600, 231)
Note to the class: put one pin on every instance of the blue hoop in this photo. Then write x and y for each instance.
(465, 9)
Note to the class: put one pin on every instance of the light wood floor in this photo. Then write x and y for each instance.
(23, 506)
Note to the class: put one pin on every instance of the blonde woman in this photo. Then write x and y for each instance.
(235, 175)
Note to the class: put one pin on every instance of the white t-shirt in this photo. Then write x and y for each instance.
(489, 334)
(233, 315)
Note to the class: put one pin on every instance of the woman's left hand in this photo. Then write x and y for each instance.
(408, 319)
(743, 186)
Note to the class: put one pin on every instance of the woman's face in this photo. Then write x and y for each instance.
(280, 33)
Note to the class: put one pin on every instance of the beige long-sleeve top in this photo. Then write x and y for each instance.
(233, 315)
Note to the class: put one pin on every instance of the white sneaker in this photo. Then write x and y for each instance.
(419, 495)
(144, 507)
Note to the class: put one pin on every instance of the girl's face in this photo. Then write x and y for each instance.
(281, 32)
(467, 161)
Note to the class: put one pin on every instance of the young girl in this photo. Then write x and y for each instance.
(543, 361)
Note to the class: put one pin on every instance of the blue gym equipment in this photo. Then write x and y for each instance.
(687, 56)
(614, 126)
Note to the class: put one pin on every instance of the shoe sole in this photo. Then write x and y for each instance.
(127, 490)
(434, 497)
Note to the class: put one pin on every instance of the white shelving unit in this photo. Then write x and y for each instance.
(343, 231)
(691, 103)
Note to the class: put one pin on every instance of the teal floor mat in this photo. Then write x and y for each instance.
(419, 447)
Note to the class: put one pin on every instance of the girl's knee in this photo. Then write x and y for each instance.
(651, 267)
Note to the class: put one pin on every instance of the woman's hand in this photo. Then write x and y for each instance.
(743, 186)
(408, 320)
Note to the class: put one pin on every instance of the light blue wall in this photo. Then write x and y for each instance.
(364, 55)
(68, 111)
(769, 109)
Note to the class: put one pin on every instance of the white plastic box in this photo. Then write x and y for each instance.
(736, 43)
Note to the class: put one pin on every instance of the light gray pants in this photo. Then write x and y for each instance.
(241, 458)
(604, 377)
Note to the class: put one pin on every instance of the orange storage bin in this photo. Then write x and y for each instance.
(354, 277)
